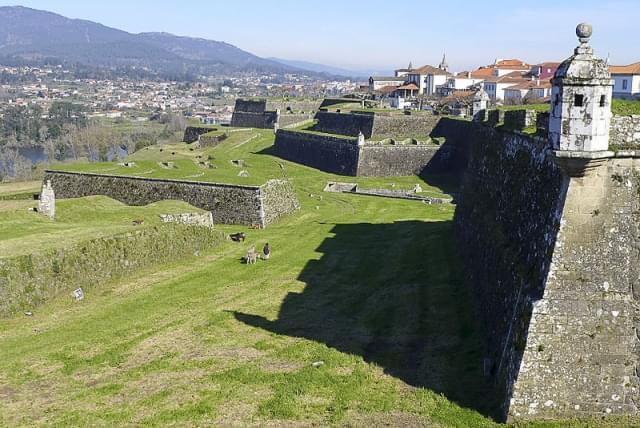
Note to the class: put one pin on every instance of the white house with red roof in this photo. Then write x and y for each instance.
(626, 80)
(462, 81)
(495, 86)
(531, 89)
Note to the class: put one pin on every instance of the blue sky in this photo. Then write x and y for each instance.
(379, 34)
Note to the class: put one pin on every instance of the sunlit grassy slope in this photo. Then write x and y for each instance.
(360, 318)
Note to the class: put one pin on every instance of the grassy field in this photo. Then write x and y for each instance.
(23, 231)
(19, 190)
(359, 318)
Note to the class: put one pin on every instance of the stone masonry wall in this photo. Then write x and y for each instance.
(582, 355)
(212, 140)
(251, 106)
(506, 224)
(350, 124)
(192, 133)
(376, 125)
(295, 106)
(403, 126)
(278, 199)
(519, 119)
(625, 131)
(398, 160)
(229, 204)
(29, 280)
(292, 119)
(337, 155)
(341, 155)
(243, 119)
(253, 114)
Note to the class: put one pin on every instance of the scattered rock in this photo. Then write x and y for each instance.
(78, 294)
(318, 363)
(28, 313)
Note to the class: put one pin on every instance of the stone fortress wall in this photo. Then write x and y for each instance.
(549, 231)
(295, 106)
(253, 114)
(556, 289)
(207, 141)
(334, 154)
(401, 160)
(506, 249)
(340, 154)
(193, 133)
(229, 204)
(375, 125)
(349, 124)
(625, 131)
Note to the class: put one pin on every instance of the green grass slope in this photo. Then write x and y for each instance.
(359, 318)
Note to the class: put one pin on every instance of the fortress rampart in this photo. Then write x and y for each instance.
(552, 263)
(342, 155)
(229, 204)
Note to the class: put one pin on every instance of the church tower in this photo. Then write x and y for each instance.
(443, 64)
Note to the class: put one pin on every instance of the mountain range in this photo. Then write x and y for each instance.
(322, 68)
(34, 37)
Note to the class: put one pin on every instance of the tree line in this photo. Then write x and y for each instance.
(65, 133)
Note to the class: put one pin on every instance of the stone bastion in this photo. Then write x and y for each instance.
(228, 203)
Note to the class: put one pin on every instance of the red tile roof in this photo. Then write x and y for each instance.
(387, 89)
(625, 69)
(409, 87)
(427, 69)
(514, 64)
(513, 77)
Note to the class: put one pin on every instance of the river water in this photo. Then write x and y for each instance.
(38, 154)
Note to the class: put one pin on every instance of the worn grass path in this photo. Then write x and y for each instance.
(369, 289)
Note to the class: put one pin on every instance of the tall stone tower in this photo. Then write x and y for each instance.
(581, 105)
(580, 352)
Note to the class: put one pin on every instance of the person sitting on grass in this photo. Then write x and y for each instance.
(266, 251)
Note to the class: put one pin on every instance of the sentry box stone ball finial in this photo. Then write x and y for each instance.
(584, 31)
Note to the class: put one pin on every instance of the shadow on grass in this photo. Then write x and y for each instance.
(393, 294)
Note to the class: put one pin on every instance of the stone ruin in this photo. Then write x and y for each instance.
(47, 202)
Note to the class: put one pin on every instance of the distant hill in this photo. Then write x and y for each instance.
(35, 36)
(321, 68)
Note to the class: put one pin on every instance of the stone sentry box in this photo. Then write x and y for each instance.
(228, 203)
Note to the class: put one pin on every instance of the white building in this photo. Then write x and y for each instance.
(463, 81)
(378, 82)
(495, 86)
(626, 80)
(532, 89)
